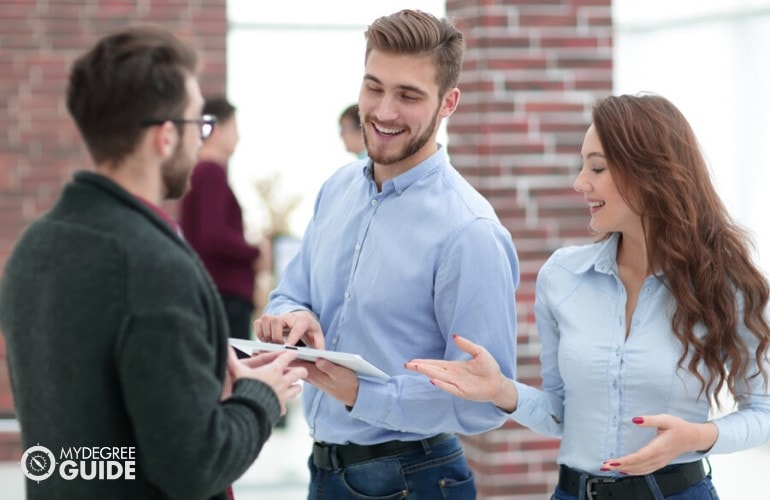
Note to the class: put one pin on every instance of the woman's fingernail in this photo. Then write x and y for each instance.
(637, 420)
(615, 464)
(604, 469)
(432, 382)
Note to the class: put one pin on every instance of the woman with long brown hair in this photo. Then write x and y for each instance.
(643, 329)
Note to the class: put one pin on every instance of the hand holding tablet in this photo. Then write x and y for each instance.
(351, 361)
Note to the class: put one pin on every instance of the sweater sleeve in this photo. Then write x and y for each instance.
(167, 370)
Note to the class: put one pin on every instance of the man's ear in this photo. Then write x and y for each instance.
(164, 139)
(450, 102)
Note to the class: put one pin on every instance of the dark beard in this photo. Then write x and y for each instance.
(411, 147)
(176, 174)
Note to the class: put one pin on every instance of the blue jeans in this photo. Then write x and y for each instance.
(702, 490)
(440, 474)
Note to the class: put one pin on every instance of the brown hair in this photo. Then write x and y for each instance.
(418, 33)
(351, 113)
(127, 77)
(220, 107)
(659, 169)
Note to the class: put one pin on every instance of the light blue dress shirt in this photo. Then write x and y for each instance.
(595, 380)
(391, 275)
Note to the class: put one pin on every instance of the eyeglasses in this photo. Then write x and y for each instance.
(205, 122)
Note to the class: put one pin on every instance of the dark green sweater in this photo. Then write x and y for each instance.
(116, 337)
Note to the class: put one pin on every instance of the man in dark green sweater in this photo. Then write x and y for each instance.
(116, 338)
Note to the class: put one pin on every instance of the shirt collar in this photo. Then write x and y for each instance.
(154, 214)
(403, 181)
(605, 259)
(160, 213)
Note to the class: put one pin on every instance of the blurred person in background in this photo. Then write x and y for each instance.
(351, 133)
(212, 222)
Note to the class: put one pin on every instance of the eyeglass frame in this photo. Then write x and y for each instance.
(207, 123)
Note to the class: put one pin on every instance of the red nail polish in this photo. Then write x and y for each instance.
(615, 464)
(604, 469)
(454, 335)
(432, 382)
(637, 420)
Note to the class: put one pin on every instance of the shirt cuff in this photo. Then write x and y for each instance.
(372, 403)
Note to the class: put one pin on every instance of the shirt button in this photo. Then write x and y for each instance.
(347, 295)
(358, 248)
(648, 290)
(617, 351)
(374, 202)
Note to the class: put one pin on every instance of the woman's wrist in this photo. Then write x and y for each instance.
(707, 436)
(507, 397)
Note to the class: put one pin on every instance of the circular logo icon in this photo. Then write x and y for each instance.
(38, 463)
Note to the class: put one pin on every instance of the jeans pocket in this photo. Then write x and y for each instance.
(452, 489)
(377, 480)
(450, 473)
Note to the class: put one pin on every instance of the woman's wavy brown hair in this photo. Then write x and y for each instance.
(660, 171)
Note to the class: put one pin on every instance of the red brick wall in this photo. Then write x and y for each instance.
(532, 71)
(39, 145)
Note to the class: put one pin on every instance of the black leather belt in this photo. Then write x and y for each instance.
(671, 480)
(336, 456)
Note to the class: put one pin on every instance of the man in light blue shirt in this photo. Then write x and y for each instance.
(400, 254)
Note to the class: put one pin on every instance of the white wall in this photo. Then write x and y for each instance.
(710, 58)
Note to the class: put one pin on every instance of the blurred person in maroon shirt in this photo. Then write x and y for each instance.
(212, 222)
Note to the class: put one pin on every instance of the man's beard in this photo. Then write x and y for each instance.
(409, 149)
(176, 173)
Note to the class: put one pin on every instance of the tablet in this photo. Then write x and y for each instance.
(351, 361)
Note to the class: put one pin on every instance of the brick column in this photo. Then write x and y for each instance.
(39, 145)
(532, 72)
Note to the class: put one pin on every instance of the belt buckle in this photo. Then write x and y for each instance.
(594, 481)
(325, 456)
